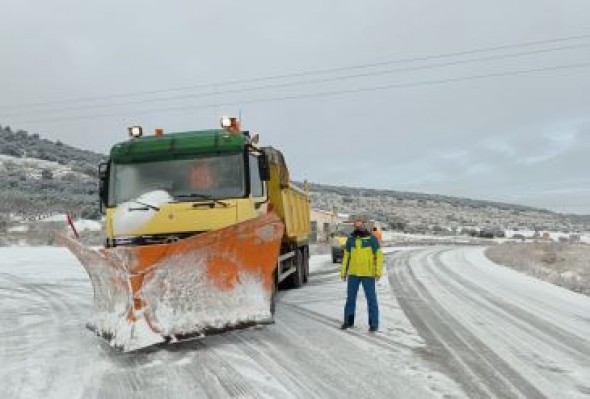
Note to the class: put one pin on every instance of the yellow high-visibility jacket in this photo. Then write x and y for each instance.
(362, 256)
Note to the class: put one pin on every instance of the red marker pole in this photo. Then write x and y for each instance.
(71, 223)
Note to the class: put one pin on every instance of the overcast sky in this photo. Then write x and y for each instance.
(523, 137)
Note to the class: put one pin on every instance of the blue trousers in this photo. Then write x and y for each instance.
(351, 293)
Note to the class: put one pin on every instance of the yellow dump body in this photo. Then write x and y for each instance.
(291, 205)
(295, 214)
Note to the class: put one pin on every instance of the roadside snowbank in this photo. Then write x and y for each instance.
(87, 225)
(567, 265)
(80, 224)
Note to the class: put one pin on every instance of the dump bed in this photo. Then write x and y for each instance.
(289, 201)
(295, 214)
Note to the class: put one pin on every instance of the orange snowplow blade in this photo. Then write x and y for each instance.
(217, 280)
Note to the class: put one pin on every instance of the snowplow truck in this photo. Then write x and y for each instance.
(201, 229)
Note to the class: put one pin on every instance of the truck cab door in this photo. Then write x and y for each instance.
(257, 185)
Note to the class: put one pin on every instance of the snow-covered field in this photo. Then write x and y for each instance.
(33, 166)
(80, 224)
(453, 325)
(564, 264)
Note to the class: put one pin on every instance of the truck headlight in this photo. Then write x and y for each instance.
(135, 131)
(226, 122)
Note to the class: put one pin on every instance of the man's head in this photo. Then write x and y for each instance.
(200, 175)
(359, 224)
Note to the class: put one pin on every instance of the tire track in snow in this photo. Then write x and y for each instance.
(359, 363)
(233, 383)
(469, 360)
(334, 323)
(550, 333)
(52, 302)
(41, 329)
(302, 365)
(280, 349)
(289, 378)
(191, 366)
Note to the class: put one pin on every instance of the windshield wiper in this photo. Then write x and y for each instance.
(148, 206)
(203, 196)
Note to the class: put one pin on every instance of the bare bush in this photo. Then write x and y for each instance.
(564, 264)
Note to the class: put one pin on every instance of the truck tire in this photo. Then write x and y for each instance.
(305, 264)
(296, 279)
(335, 258)
(273, 295)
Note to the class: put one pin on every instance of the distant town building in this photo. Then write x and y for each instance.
(323, 223)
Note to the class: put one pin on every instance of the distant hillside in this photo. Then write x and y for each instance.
(41, 177)
(418, 212)
(414, 196)
(22, 144)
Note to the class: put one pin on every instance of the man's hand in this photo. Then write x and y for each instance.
(377, 278)
(343, 278)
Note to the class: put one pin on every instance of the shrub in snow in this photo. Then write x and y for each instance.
(564, 264)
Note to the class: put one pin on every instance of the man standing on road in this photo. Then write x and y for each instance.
(362, 264)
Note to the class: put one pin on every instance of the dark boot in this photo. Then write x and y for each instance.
(373, 329)
(345, 326)
(348, 322)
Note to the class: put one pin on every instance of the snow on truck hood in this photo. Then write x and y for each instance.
(127, 218)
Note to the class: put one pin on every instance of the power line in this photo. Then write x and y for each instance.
(328, 93)
(298, 74)
(306, 82)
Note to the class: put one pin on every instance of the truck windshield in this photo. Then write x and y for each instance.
(216, 177)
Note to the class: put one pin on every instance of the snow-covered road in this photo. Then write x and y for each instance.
(500, 333)
(476, 330)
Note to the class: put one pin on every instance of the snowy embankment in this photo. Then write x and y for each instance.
(33, 167)
(567, 265)
(40, 232)
(80, 224)
(395, 238)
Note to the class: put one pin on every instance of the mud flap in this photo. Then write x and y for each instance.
(200, 285)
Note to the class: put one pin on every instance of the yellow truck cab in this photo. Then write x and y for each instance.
(165, 187)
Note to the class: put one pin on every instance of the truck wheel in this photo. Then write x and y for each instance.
(298, 277)
(334, 258)
(305, 264)
(273, 296)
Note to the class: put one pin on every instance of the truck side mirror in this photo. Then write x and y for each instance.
(103, 170)
(264, 167)
(103, 184)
